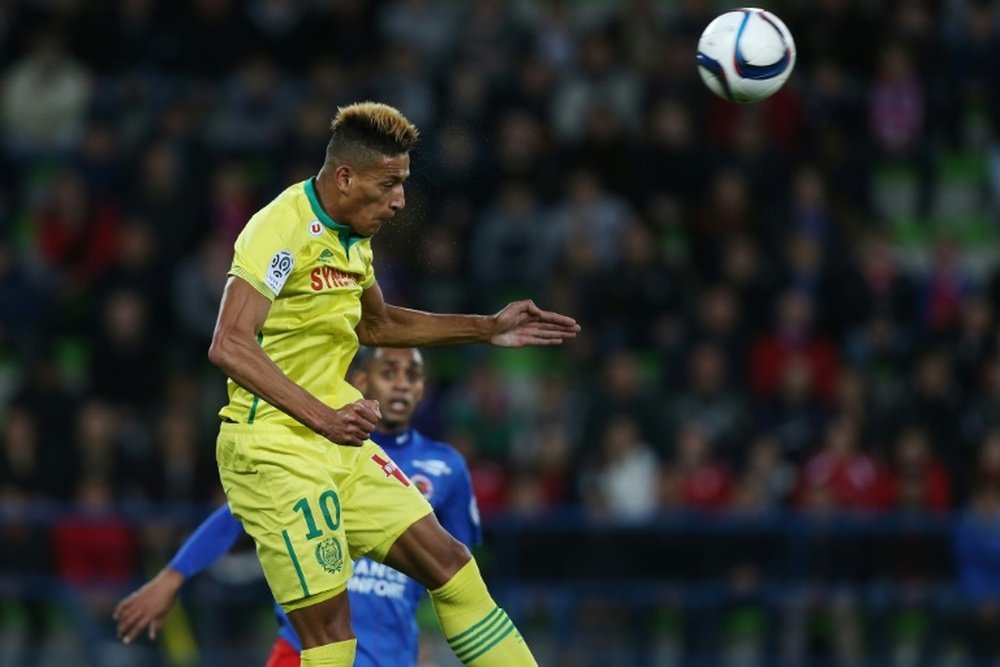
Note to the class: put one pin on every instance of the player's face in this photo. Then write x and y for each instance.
(396, 380)
(376, 193)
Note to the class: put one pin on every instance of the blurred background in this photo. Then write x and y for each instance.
(776, 441)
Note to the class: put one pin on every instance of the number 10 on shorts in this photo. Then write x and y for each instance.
(329, 505)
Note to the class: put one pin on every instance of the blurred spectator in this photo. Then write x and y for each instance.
(793, 337)
(255, 106)
(636, 300)
(935, 401)
(840, 475)
(974, 339)
(588, 214)
(556, 35)
(944, 287)
(22, 473)
(977, 556)
(708, 400)
(505, 251)
(768, 480)
(197, 291)
(702, 482)
(983, 414)
(163, 194)
(25, 564)
(126, 352)
(426, 25)
(621, 390)
(77, 233)
(480, 407)
(793, 416)
(600, 83)
(44, 99)
(181, 468)
(623, 480)
(22, 300)
(916, 480)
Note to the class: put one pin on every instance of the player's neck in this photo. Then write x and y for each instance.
(392, 429)
(327, 193)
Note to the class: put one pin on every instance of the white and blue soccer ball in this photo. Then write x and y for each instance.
(746, 55)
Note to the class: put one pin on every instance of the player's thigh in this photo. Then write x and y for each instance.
(281, 484)
(382, 502)
(283, 654)
(428, 553)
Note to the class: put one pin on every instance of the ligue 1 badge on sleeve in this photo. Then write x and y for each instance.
(330, 555)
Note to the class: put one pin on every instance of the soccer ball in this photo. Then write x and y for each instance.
(745, 55)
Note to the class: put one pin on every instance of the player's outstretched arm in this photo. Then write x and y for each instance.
(236, 350)
(148, 607)
(519, 324)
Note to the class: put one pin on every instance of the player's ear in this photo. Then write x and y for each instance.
(343, 175)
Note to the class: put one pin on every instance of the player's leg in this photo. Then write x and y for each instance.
(280, 485)
(478, 631)
(391, 522)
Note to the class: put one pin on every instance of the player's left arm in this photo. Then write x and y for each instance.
(519, 324)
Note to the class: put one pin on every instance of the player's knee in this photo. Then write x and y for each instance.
(327, 622)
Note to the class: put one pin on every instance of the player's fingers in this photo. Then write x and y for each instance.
(552, 326)
(549, 334)
(154, 627)
(364, 421)
(371, 407)
(131, 629)
(556, 318)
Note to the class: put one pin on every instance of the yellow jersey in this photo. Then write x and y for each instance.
(313, 271)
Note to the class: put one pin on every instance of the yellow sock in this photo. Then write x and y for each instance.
(478, 631)
(338, 654)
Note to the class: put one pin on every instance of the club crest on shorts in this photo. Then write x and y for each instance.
(330, 555)
(390, 468)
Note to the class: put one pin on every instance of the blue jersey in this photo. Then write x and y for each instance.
(383, 601)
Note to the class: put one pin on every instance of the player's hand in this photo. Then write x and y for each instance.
(352, 424)
(523, 323)
(147, 608)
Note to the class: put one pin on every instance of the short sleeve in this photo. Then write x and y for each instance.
(266, 250)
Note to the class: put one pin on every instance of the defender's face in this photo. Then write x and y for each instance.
(376, 193)
(396, 380)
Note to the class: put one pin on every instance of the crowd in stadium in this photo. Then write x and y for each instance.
(758, 332)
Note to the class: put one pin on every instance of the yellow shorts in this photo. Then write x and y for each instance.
(311, 506)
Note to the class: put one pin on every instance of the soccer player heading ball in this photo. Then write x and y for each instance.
(294, 454)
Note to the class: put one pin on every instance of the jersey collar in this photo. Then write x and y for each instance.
(344, 233)
(390, 440)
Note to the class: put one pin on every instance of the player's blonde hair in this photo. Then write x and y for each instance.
(363, 128)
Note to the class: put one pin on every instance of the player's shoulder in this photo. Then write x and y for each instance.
(286, 214)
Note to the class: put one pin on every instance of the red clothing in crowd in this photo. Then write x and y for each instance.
(771, 353)
(852, 482)
(84, 248)
(94, 549)
(933, 479)
(709, 486)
